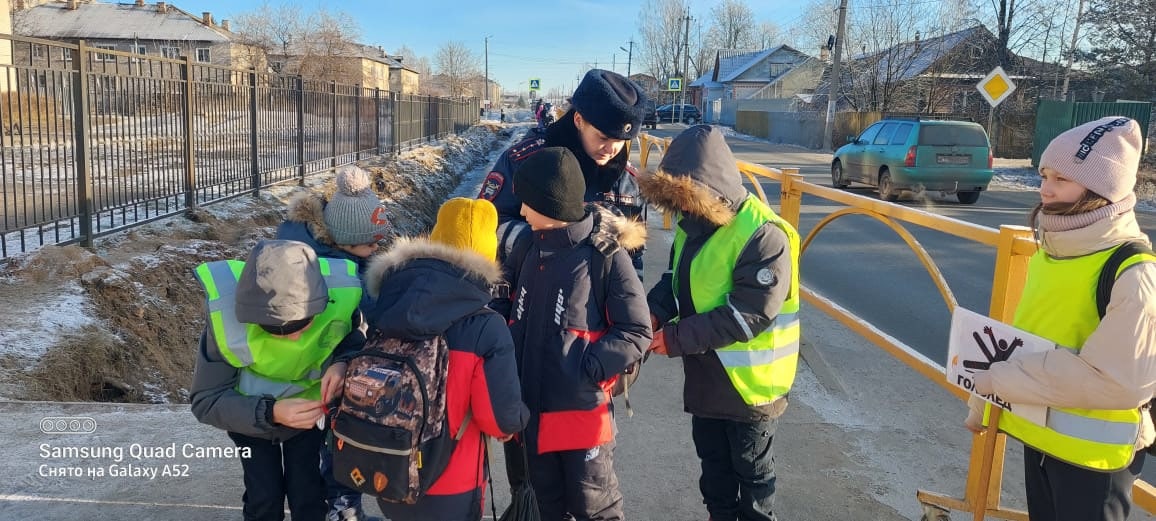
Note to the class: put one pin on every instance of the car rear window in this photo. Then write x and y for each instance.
(952, 135)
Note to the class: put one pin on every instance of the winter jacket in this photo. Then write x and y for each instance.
(306, 223)
(570, 348)
(215, 400)
(1116, 366)
(613, 184)
(706, 193)
(419, 289)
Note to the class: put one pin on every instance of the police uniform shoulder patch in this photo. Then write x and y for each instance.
(766, 277)
(491, 186)
(526, 148)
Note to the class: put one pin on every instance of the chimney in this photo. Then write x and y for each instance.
(72, 5)
(162, 7)
(207, 18)
(140, 3)
(225, 25)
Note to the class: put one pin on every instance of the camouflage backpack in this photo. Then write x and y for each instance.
(391, 436)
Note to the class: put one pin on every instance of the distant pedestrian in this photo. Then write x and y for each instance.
(729, 308)
(503, 115)
(275, 324)
(1098, 382)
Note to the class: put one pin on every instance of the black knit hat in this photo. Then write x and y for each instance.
(550, 181)
(612, 103)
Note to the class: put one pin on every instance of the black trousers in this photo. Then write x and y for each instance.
(1059, 491)
(277, 471)
(738, 468)
(581, 483)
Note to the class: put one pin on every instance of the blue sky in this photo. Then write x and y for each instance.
(553, 40)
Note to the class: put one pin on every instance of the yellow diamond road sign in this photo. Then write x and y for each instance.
(996, 86)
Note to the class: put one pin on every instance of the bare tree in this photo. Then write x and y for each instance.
(732, 26)
(457, 64)
(768, 35)
(662, 28)
(410, 59)
(305, 45)
(889, 52)
(1123, 50)
(814, 28)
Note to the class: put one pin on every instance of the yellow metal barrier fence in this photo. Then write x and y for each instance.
(1013, 244)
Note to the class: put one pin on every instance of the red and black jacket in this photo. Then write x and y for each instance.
(570, 349)
(419, 289)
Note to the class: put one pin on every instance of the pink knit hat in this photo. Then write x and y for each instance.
(1102, 155)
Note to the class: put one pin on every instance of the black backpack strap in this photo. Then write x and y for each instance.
(1108, 272)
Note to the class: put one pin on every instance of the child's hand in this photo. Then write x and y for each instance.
(658, 345)
(297, 413)
(332, 381)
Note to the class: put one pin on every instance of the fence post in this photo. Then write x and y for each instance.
(395, 101)
(377, 120)
(357, 123)
(81, 142)
(300, 130)
(333, 124)
(187, 92)
(791, 196)
(255, 164)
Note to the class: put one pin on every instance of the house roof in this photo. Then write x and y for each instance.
(732, 63)
(910, 59)
(356, 50)
(114, 22)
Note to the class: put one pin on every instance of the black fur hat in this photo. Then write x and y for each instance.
(611, 102)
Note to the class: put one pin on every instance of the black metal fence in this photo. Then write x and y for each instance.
(94, 140)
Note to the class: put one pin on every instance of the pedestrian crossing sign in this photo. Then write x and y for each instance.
(674, 84)
(996, 86)
(535, 84)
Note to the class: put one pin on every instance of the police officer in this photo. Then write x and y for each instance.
(605, 113)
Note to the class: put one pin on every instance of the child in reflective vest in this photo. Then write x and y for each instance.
(275, 322)
(1081, 465)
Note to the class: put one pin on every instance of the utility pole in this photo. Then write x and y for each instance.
(629, 55)
(486, 87)
(1072, 51)
(836, 80)
(685, 66)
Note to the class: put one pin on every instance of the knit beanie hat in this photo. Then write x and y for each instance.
(550, 181)
(1102, 155)
(354, 214)
(281, 283)
(612, 103)
(468, 224)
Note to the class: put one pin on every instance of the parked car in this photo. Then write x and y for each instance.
(917, 154)
(689, 114)
(650, 118)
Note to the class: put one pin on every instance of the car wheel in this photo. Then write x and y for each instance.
(837, 180)
(887, 191)
(691, 120)
(969, 197)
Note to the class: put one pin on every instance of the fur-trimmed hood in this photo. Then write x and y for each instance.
(308, 208)
(615, 228)
(699, 176)
(418, 288)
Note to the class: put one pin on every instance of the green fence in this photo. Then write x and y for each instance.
(1054, 117)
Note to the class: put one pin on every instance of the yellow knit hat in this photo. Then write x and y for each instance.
(468, 224)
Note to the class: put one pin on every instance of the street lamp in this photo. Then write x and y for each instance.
(629, 55)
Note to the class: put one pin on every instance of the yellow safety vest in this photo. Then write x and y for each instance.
(272, 365)
(761, 369)
(1057, 304)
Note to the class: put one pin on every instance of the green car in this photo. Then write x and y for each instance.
(913, 154)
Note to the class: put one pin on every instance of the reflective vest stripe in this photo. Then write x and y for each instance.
(760, 357)
(747, 333)
(251, 384)
(1092, 429)
(227, 331)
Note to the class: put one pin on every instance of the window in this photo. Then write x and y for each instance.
(38, 51)
(885, 134)
(869, 135)
(138, 49)
(171, 52)
(901, 134)
(66, 55)
(105, 57)
(952, 135)
(203, 54)
(277, 66)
